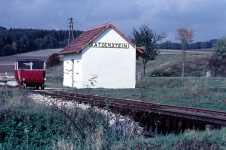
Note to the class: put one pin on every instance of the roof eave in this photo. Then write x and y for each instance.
(140, 51)
(81, 48)
(93, 38)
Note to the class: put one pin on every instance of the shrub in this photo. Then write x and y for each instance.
(217, 66)
(28, 129)
(24, 125)
(220, 48)
(53, 60)
(164, 73)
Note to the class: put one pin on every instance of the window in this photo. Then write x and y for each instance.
(38, 65)
(24, 65)
(35, 65)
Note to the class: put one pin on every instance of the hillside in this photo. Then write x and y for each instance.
(170, 65)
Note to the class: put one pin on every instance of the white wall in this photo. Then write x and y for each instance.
(114, 67)
(76, 59)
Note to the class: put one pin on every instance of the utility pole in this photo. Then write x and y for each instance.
(71, 34)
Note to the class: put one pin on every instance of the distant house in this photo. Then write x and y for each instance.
(101, 57)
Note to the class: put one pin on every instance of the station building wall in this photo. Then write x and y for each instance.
(113, 67)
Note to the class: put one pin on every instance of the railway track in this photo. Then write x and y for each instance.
(196, 114)
(6, 85)
(204, 115)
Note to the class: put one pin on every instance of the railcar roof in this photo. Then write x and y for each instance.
(29, 60)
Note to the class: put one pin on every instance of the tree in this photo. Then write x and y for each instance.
(196, 45)
(2, 43)
(24, 43)
(53, 60)
(2, 28)
(167, 45)
(145, 37)
(6, 50)
(186, 36)
(220, 48)
(39, 43)
(206, 45)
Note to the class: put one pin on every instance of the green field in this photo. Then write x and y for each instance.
(200, 92)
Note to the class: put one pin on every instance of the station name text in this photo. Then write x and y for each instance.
(110, 45)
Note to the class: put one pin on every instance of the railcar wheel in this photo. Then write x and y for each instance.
(42, 86)
(23, 86)
(37, 87)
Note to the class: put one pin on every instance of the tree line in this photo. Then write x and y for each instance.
(14, 41)
(195, 45)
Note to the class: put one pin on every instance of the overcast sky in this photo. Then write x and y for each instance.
(206, 17)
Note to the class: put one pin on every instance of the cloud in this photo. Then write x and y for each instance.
(206, 17)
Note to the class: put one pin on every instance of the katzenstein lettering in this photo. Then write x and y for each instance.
(110, 45)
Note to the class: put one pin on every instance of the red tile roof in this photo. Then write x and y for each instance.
(88, 36)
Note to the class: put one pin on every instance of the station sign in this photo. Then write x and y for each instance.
(110, 45)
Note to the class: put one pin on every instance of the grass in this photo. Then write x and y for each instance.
(206, 93)
(173, 63)
(200, 92)
(54, 76)
(25, 124)
(28, 125)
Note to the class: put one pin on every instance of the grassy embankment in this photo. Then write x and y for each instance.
(28, 125)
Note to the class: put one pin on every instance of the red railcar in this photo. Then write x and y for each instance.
(30, 73)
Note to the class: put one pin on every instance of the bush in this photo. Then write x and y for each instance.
(217, 66)
(170, 72)
(28, 129)
(53, 60)
(24, 125)
(220, 48)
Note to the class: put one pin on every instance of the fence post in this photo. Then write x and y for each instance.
(139, 76)
(208, 74)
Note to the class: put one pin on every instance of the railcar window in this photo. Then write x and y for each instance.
(27, 65)
(24, 65)
(38, 65)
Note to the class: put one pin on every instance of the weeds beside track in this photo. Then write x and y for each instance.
(210, 116)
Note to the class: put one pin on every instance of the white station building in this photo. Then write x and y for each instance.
(101, 57)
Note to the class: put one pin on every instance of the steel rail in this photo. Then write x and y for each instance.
(155, 105)
(211, 116)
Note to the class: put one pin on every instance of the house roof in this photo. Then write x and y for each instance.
(88, 36)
